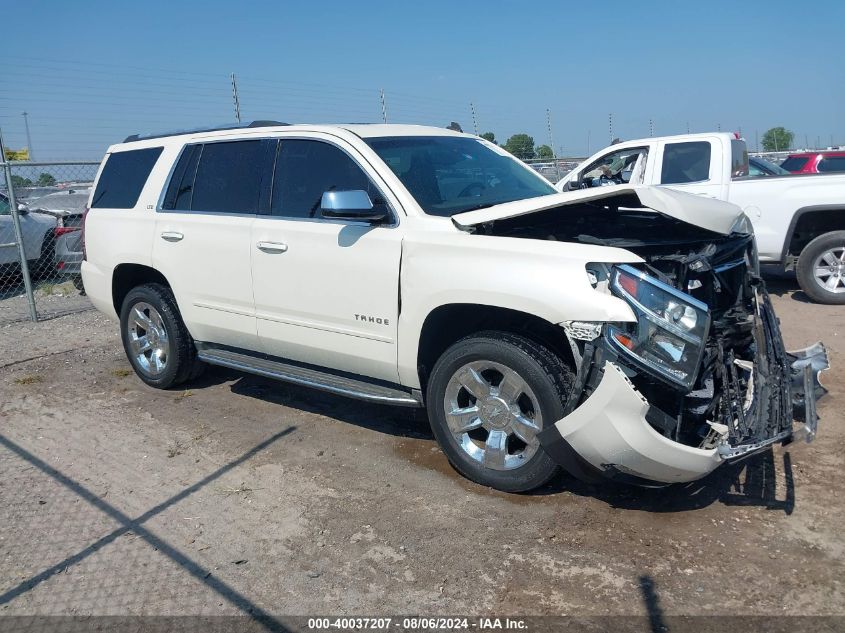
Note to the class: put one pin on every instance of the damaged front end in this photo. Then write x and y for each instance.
(700, 378)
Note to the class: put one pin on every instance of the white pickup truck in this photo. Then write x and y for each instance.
(620, 333)
(799, 220)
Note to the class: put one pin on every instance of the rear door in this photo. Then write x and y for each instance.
(326, 290)
(202, 241)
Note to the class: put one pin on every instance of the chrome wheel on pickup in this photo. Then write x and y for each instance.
(488, 397)
(821, 268)
(493, 415)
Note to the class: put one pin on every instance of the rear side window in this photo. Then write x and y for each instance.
(739, 159)
(228, 178)
(123, 178)
(832, 163)
(307, 169)
(181, 188)
(685, 162)
(795, 163)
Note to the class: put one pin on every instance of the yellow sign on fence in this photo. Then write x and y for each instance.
(17, 154)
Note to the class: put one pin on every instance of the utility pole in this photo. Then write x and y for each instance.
(756, 140)
(806, 142)
(610, 125)
(383, 107)
(718, 127)
(235, 98)
(549, 125)
(28, 139)
(474, 121)
(651, 127)
(687, 127)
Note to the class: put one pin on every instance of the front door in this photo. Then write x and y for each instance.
(326, 291)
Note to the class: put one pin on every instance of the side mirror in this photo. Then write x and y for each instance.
(22, 208)
(573, 184)
(351, 205)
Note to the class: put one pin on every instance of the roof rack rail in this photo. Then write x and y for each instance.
(235, 126)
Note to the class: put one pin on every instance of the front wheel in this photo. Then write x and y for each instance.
(821, 268)
(155, 339)
(488, 397)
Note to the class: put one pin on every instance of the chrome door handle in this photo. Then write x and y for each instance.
(172, 236)
(272, 247)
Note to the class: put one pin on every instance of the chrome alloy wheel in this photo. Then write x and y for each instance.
(148, 339)
(493, 415)
(829, 269)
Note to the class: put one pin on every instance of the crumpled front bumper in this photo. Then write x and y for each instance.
(609, 436)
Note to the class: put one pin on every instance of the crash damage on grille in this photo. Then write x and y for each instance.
(748, 389)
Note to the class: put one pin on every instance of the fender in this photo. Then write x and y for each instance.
(797, 216)
(544, 278)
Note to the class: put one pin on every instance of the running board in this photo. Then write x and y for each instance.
(324, 381)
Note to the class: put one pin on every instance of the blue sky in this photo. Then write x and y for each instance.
(89, 74)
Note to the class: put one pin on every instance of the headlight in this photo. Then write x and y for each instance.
(671, 327)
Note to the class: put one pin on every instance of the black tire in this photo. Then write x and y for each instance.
(181, 360)
(45, 266)
(549, 377)
(810, 284)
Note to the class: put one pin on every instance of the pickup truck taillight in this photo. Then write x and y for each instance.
(63, 230)
(82, 226)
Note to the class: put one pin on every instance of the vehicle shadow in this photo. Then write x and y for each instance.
(752, 482)
(398, 421)
(784, 284)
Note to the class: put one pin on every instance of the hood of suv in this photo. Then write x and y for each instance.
(707, 213)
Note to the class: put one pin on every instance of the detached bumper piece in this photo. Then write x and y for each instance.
(615, 433)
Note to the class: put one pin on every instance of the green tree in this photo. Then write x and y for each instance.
(777, 139)
(489, 136)
(544, 151)
(46, 180)
(19, 181)
(521, 146)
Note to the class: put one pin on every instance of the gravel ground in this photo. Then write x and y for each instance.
(240, 495)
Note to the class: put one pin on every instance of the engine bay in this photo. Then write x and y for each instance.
(741, 394)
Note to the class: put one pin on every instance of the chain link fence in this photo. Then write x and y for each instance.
(41, 207)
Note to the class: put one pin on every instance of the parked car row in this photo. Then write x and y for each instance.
(51, 230)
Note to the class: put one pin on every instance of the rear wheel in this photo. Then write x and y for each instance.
(488, 397)
(155, 339)
(821, 268)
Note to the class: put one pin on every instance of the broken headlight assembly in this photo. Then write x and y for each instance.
(668, 338)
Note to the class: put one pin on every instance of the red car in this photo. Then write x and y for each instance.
(814, 162)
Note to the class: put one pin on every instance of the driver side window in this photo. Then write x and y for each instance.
(306, 169)
(616, 168)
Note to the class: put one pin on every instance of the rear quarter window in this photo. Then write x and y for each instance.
(123, 178)
(685, 162)
(832, 163)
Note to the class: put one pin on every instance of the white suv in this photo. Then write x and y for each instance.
(622, 334)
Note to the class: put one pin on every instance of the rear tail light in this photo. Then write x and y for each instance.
(64, 230)
(82, 226)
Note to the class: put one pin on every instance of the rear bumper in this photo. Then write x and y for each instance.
(609, 435)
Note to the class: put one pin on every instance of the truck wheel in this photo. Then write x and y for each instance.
(488, 396)
(155, 339)
(821, 268)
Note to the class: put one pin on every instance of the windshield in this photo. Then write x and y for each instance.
(448, 175)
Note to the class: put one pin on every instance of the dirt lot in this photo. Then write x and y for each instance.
(240, 495)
